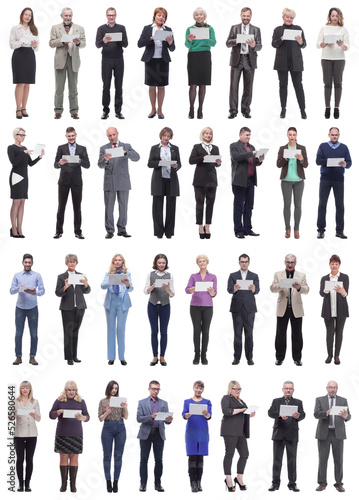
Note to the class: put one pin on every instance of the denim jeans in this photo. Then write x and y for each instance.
(116, 325)
(113, 430)
(163, 314)
(158, 444)
(32, 316)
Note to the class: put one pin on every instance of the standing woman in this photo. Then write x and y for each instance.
(19, 158)
(164, 183)
(27, 413)
(113, 431)
(69, 435)
(199, 64)
(72, 307)
(156, 59)
(235, 432)
(289, 58)
(335, 308)
(24, 41)
(292, 177)
(205, 180)
(159, 308)
(333, 58)
(197, 436)
(117, 304)
(201, 308)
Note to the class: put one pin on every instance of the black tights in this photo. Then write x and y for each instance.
(195, 467)
(22, 446)
(193, 93)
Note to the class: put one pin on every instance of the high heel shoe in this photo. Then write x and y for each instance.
(20, 235)
(199, 113)
(202, 235)
(191, 112)
(19, 117)
(12, 235)
(25, 115)
(154, 363)
(231, 489)
(123, 362)
(241, 486)
(111, 362)
(207, 234)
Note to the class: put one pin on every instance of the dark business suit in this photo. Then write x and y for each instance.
(335, 325)
(243, 309)
(70, 180)
(71, 314)
(285, 435)
(235, 431)
(161, 188)
(245, 63)
(289, 58)
(204, 181)
(243, 186)
(145, 41)
(327, 437)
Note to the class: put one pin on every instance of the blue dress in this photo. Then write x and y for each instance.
(197, 435)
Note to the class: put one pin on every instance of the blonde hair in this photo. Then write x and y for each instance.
(202, 256)
(63, 397)
(288, 12)
(205, 129)
(71, 256)
(231, 384)
(25, 383)
(16, 131)
(112, 268)
(200, 9)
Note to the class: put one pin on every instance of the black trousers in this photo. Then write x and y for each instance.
(201, 318)
(281, 336)
(278, 450)
(24, 447)
(168, 228)
(335, 327)
(244, 66)
(71, 321)
(76, 194)
(109, 66)
(202, 194)
(233, 443)
(243, 320)
(324, 450)
(297, 84)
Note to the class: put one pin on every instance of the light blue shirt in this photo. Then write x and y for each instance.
(33, 279)
(165, 154)
(72, 149)
(334, 146)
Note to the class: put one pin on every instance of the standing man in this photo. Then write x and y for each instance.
(67, 61)
(285, 435)
(332, 177)
(112, 61)
(331, 431)
(28, 284)
(70, 180)
(243, 60)
(243, 308)
(152, 433)
(289, 307)
(116, 182)
(244, 178)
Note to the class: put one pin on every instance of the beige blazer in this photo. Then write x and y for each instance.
(25, 425)
(296, 296)
(62, 49)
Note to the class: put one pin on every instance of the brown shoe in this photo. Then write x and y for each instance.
(336, 360)
(296, 234)
(287, 233)
(17, 361)
(340, 488)
(57, 116)
(321, 487)
(75, 116)
(33, 361)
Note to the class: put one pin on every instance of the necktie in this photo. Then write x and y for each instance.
(331, 417)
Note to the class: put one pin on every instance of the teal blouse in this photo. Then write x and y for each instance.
(200, 45)
(292, 175)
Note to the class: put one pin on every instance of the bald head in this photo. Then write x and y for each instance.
(332, 388)
(112, 134)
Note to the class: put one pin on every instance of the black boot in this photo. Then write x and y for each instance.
(194, 486)
(196, 358)
(73, 474)
(21, 485)
(63, 472)
(109, 485)
(115, 486)
(27, 485)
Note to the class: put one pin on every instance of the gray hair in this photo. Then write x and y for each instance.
(17, 130)
(288, 382)
(288, 12)
(290, 256)
(200, 9)
(65, 9)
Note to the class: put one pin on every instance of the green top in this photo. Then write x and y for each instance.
(292, 174)
(200, 45)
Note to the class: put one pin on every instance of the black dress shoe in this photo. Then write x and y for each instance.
(341, 235)
(199, 114)
(111, 361)
(159, 488)
(336, 113)
(196, 359)
(70, 362)
(123, 362)
(251, 233)
(109, 236)
(327, 113)
(161, 117)
(246, 115)
(142, 487)
(124, 234)
(320, 234)
(191, 113)
(104, 116)
(151, 116)
(282, 115)
(278, 362)
(232, 115)
(293, 487)
(57, 236)
(336, 360)
(154, 363)
(80, 236)
(274, 487)
(250, 362)
(204, 360)
(303, 114)
(120, 116)
(235, 361)
(77, 360)
(298, 363)
(329, 359)
(240, 235)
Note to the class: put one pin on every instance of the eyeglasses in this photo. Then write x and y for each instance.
(244, 261)
(155, 389)
(290, 263)
(331, 388)
(21, 135)
(237, 389)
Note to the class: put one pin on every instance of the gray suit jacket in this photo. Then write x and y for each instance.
(117, 176)
(62, 49)
(239, 160)
(236, 47)
(144, 417)
(320, 412)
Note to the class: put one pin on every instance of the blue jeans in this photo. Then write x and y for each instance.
(32, 316)
(116, 325)
(158, 444)
(243, 206)
(163, 314)
(113, 430)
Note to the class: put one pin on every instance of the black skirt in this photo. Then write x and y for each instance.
(199, 68)
(23, 65)
(68, 445)
(156, 73)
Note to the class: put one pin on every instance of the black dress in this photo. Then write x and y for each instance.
(19, 161)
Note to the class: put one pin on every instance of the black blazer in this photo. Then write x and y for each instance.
(287, 46)
(233, 425)
(71, 171)
(285, 429)
(342, 304)
(205, 173)
(239, 159)
(67, 297)
(236, 47)
(145, 41)
(243, 299)
(156, 181)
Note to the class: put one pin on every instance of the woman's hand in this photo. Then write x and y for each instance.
(299, 157)
(150, 288)
(85, 282)
(108, 408)
(169, 40)
(192, 289)
(66, 285)
(28, 151)
(341, 290)
(299, 40)
(206, 414)
(34, 43)
(191, 37)
(253, 414)
(124, 406)
(42, 153)
(79, 416)
(187, 415)
(211, 291)
(167, 288)
(59, 412)
(126, 282)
